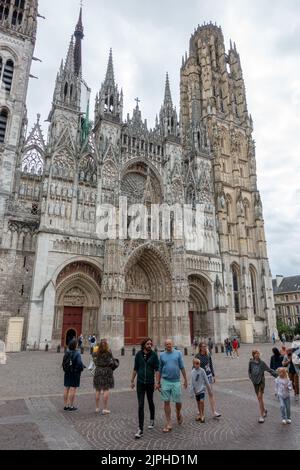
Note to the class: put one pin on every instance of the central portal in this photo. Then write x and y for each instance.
(136, 322)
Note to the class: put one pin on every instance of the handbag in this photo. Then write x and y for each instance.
(114, 364)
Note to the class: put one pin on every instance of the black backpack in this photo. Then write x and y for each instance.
(67, 363)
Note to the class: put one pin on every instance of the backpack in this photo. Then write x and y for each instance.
(296, 357)
(67, 363)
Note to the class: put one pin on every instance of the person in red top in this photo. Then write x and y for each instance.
(235, 346)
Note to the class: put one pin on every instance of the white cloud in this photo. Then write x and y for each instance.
(149, 38)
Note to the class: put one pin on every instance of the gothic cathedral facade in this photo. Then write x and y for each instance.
(58, 277)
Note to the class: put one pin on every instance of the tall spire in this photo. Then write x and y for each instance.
(79, 37)
(168, 96)
(69, 64)
(110, 76)
(109, 103)
(168, 114)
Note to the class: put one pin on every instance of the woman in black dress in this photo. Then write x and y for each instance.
(73, 368)
(103, 378)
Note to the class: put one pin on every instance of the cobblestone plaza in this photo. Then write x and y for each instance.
(32, 416)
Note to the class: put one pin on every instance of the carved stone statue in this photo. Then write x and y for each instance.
(258, 207)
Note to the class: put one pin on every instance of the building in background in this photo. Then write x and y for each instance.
(287, 299)
(58, 278)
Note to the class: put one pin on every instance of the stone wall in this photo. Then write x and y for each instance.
(16, 270)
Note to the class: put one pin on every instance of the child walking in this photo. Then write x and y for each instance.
(257, 369)
(199, 384)
(283, 388)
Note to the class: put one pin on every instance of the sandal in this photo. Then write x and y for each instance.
(167, 429)
(180, 420)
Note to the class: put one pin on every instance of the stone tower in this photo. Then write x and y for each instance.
(213, 95)
(18, 24)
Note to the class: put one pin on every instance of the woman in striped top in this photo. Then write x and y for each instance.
(207, 364)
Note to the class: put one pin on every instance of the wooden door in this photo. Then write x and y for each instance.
(72, 321)
(136, 322)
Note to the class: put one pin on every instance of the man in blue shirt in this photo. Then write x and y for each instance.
(171, 365)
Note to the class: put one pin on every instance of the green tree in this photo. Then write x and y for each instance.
(287, 330)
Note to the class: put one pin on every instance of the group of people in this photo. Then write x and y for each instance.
(285, 368)
(104, 363)
(163, 374)
(151, 373)
(232, 347)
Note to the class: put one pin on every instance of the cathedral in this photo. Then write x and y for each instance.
(58, 277)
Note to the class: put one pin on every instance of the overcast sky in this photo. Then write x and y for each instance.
(149, 38)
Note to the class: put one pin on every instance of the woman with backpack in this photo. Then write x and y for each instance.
(73, 367)
(276, 359)
(104, 377)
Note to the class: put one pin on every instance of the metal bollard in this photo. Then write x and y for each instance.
(186, 351)
(222, 349)
(216, 349)
(133, 351)
(82, 350)
(123, 352)
(47, 348)
(58, 349)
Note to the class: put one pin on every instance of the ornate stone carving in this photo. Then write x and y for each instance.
(80, 267)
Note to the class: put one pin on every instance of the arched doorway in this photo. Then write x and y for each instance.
(147, 306)
(77, 304)
(198, 307)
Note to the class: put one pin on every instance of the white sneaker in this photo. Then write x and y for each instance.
(284, 421)
(139, 434)
(151, 425)
(289, 421)
(261, 420)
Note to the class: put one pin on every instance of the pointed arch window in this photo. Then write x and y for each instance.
(8, 74)
(106, 104)
(18, 12)
(3, 124)
(4, 9)
(221, 100)
(254, 291)
(66, 89)
(111, 104)
(236, 288)
(32, 162)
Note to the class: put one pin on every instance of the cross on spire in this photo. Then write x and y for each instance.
(137, 102)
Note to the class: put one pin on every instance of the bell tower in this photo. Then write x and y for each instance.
(18, 25)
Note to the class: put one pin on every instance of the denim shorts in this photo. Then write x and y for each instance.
(171, 391)
(200, 397)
